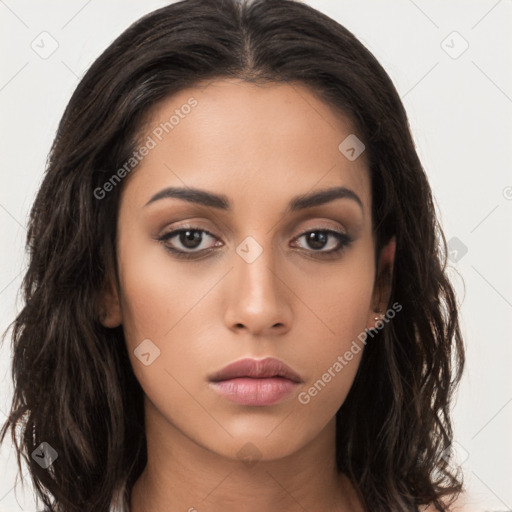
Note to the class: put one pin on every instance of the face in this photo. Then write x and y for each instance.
(260, 273)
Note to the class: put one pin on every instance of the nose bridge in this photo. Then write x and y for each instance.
(258, 300)
(255, 267)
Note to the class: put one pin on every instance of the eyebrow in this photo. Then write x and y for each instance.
(221, 201)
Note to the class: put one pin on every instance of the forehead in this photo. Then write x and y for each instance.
(266, 140)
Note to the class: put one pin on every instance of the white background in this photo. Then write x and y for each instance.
(460, 111)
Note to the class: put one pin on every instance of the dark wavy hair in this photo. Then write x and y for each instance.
(73, 383)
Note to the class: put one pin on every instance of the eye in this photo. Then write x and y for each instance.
(189, 241)
(318, 239)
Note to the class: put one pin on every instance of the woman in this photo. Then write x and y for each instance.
(236, 297)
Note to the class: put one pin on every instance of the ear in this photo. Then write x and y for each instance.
(383, 282)
(109, 307)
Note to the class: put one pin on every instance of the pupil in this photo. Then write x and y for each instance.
(190, 239)
(317, 240)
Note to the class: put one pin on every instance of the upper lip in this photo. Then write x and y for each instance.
(256, 368)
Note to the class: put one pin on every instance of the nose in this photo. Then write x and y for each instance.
(259, 297)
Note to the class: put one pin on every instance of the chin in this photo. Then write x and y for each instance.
(258, 444)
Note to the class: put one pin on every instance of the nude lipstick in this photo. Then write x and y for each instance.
(256, 382)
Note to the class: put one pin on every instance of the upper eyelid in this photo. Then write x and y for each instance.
(193, 227)
(179, 229)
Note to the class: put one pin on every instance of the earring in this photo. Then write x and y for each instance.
(378, 318)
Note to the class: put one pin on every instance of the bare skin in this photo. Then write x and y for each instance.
(260, 146)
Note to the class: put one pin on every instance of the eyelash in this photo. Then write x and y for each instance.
(344, 241)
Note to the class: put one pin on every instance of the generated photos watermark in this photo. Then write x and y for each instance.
(142, 151)
(305, 397)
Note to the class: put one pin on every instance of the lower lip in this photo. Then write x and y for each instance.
(250, 391)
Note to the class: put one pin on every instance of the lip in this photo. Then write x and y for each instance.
(256, 382)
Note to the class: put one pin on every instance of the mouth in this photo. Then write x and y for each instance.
(255, 382)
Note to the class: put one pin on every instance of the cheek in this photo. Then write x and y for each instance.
(339, 300)
(333, 361)
(163, 314)
(339, 304)
(159, 303)
(157, 294)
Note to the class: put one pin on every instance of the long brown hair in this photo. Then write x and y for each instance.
(74, 387)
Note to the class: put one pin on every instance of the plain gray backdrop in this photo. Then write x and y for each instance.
(450, 62)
